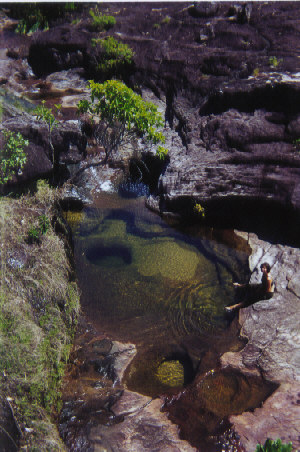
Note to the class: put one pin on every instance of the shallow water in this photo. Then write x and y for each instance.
(164, 289)
(145, 282)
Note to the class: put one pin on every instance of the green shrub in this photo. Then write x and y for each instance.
(274, 62)
(123, 114)
(274, 446)
(37, 16)
(166, 20)
(296, 144)
(46, 115)
(199, 210)
(114, 56)
(35, 232)
(12, 155)
(101, 21)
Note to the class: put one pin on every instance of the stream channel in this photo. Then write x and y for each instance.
(163, 288)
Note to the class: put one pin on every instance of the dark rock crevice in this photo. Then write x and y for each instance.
(280, 98)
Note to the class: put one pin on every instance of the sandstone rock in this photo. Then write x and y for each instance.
(67, 139)
(272, 330)
(278, 418)
(144, 428)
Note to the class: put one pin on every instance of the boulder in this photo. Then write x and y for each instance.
(67, 139)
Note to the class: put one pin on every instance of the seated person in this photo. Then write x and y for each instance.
(254, 292)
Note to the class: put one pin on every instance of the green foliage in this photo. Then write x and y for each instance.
(35, 232)
(75, 21)
(38, 311)
(101, 21)
(46, 115)
(12, 155)
(274, 62)
(34, 235)
(199, 210)
(296, 143)
(37, 16)
(113, 57)
(166, 20)
(274, 446)
(123, 113)
(70, 6)
(161, 152)
(44, 223)
(156, 26)
(32, 21)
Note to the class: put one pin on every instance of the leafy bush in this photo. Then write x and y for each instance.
(199, 210)
(123, 113)
(166, 20)
(101, 21)
(35, 16)
(113, 56)
(274, 62)
(274, 446)
(12, 155)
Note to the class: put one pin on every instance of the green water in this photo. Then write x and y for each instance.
(140, 277)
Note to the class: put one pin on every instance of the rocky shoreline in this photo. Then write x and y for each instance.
(272, 350)
(230, 94)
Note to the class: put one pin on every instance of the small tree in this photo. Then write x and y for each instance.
(123, 114)
(12, 154)
(44, 114)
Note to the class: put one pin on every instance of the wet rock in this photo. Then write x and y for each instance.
(272, 330)
(144, 428)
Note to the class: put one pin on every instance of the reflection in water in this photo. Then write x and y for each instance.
(131, 265)
(164, 289)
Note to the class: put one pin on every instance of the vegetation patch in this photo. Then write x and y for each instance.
(39, 305)
(37, 16)
(101, 22)
(274, 446)
(123, 114)
(112, 56)
(12, 154)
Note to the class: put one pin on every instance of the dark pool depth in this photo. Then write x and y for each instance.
(164, 289)
(145, 282)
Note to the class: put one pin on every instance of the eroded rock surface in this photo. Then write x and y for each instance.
(99, 413)
(273, 349)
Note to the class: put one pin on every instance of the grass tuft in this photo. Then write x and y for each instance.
(39, 306)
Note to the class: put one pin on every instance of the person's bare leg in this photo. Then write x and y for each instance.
(234, 306)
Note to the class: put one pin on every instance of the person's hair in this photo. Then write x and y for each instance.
(267, 266)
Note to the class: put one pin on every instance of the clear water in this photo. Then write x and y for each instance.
(164, 288)
(147, 282)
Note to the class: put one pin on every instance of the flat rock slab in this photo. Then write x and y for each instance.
(144, 428)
